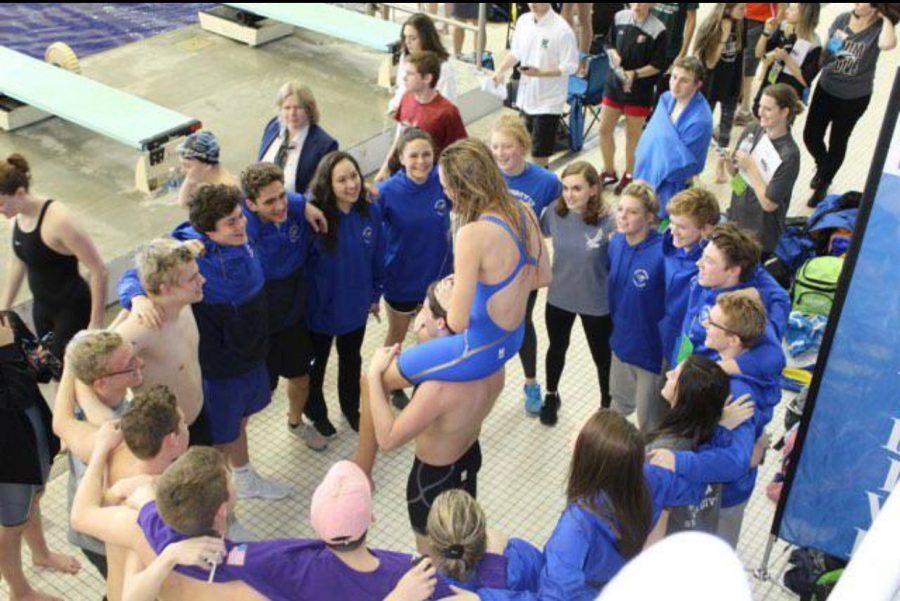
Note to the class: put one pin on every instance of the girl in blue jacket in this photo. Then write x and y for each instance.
(345, 281)
(637, 296)
(418, 246)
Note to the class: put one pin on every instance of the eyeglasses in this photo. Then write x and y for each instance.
(708, 322)
(134, 364)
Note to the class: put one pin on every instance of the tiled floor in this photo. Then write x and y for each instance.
(521, 483)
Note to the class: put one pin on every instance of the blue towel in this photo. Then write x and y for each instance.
(669, 154)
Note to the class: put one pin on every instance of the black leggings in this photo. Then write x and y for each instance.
(596, 330)
(528, 352)
(842, 115)
(349, 366)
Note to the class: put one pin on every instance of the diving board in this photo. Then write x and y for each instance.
(236, 21)
(120, 116)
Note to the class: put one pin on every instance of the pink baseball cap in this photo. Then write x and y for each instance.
(341, 508)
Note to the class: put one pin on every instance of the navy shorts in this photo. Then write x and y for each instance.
(290, 353)
(228, 401)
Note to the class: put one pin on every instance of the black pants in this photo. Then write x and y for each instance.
(528, 352)
(596, 330)
(349, 366)
(842, 114)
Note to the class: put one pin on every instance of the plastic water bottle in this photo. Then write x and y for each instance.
(173, 182)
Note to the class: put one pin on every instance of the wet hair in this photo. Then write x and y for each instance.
(701, 392)
(512, 126)
(709, 34)
(304, 97)
(191, 490)
(257, 176)
(692, 65)
(151, 416)
(14, 174)
(596, 207)
(698, 204)
(437, 309)
(160, 262)
(211, 202)
(746, 316)
(606, 478)
(426, 63)
(739, 248)
(431, 40)
(457, 533)
(322, 194)
(785, 97)
(88, 353)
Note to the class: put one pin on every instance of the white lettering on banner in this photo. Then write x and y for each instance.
(893, 477)
(874, 499)
(893, 444)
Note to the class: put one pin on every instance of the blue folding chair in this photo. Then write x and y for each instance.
(585, 95)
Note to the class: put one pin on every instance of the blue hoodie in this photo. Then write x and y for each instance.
(761, 360)
(581, 555)
(282, 250)
(681, 269)
(232, 317)
(343, 283)
(417, 235)
(535, 186)
(637, 300)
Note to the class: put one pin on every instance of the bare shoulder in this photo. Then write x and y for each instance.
(132, 330)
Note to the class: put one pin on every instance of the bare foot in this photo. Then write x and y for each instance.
(57, 562)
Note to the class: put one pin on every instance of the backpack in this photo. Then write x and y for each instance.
(815, 285)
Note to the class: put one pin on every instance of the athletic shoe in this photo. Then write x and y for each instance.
(817, 196)
(251, 485)
(533, 399)
(550, 409)
(817, 182)
(325, 428)
(608, 178)
(399, 399)
(238, 533)
(623, 183)
(309, 435)
(742, 118)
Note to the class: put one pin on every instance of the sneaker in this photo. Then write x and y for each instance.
(742, 118)
(623, 183)
(309, 435)
(816, 182)
(399, 399)
(238, 532)
(608, 178)
(250, 484)
(550, 409)
(325, 428)
(817, 196)
(533, 399)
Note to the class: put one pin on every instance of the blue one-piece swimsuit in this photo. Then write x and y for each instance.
(483, 348)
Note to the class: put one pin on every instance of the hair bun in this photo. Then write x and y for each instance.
(20, 164)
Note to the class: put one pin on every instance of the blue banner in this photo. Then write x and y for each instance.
(850, 454)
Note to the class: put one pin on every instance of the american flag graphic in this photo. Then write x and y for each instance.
(237, 555)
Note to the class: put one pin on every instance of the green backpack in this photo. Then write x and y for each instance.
(815, 285)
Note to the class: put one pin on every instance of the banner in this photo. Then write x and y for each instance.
(850, 435)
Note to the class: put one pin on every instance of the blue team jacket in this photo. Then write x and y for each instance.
(343, 283)
(637, 296)
(535, 186)
(681, 270)
(418, 245)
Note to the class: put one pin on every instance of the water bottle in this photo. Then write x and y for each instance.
(173, 182)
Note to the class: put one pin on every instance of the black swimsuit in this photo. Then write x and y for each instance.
(62, 299)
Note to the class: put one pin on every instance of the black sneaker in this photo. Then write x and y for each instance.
(817, 196)
(325, 428)
(399, 399)
(550, 409)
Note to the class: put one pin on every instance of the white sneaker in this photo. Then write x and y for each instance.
(237, 532)
(309, 435)
(250, 485)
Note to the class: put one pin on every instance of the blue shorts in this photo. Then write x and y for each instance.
(452, 359)
(228, 401)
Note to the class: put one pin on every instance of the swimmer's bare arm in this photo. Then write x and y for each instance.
(15, 274)
(425, 407)
(466, 267)
(78, 435)
(544, 270)
(114, 525)
(94, 411)
(145, 583)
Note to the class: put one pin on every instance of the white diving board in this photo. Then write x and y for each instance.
(231, 20)
(120, 116)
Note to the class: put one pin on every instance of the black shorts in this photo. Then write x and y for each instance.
(426, 482)
(464, 10)
(290, 353)
(199, 431)
(403, 306)
(543, 133)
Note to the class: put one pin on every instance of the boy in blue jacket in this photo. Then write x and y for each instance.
(233, 324)
(731, 262)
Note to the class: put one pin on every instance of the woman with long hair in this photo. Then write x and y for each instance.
(580, 224)
(345, 274)
(420, 35)
(499, 258)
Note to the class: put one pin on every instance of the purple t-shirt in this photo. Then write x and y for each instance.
(288, 569)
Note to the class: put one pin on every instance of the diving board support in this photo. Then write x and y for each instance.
(15, 114)
(243, 27)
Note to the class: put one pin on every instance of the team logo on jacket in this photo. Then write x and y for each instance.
(640, 278)
(440, 207)
(294, 233)
(367, 234)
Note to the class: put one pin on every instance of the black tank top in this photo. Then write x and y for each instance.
(52, 277)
